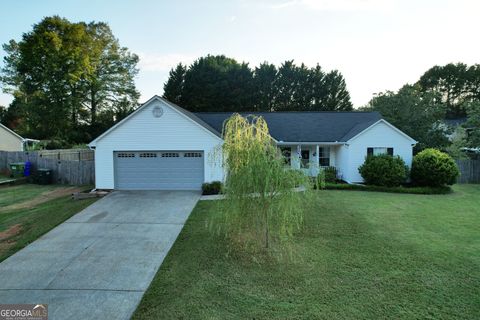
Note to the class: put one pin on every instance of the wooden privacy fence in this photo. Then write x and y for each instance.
(68, 154)
(73, 172)
(469, 171)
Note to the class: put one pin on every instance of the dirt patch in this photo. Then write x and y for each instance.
(5, 244)
(44, 197)
(10, 232)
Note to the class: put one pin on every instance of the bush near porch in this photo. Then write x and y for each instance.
(384, 170)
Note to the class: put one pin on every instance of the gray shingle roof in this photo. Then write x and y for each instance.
(304, 126)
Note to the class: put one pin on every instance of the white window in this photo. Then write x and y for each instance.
(148, 155)
(192, 154)
(375, 151)
(324, 156)
(379, 150)
(170, 155)
(126, 155)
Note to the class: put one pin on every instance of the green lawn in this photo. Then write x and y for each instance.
(363, 255)
(20, 227)
(16, 194)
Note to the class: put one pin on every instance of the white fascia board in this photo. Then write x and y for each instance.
(413, 141)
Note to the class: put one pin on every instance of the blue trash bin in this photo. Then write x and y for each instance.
(28, 169)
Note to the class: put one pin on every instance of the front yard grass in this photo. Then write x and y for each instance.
(16, 194)
(362, 255)
(19, 227)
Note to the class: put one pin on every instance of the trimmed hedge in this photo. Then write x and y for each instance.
(330, 174)
(384, 170)
(209, 188)
(434, 168)
(401, 189)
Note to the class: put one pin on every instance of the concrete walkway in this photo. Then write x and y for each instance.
(98, 264)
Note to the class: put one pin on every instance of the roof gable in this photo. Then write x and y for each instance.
(186, 114)
(16, 135)
(391, 126)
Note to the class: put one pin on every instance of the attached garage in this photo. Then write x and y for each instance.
(158, 170)
(160, 146)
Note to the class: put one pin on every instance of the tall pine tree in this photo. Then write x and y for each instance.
(173, 88)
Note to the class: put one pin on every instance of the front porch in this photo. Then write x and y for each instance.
(311, 158)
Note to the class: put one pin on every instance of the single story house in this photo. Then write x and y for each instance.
(9, 140)
(163, 146)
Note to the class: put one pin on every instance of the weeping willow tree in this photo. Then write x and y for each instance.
(263, 206)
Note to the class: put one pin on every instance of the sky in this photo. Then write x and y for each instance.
(377, 45)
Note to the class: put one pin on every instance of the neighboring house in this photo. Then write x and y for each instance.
(452, 127)
(162, 146)
(9, 140)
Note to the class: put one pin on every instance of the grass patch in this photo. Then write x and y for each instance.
(362, 255)
(20, 227)
(401, 189)
(16, 194)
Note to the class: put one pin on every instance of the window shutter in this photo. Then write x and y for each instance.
(369, 151)
(390, 151)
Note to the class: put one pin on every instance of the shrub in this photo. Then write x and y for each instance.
(330, 174)
(320, 180)
(209, 188)
(432, 167)
(384, 170)
(401, 189)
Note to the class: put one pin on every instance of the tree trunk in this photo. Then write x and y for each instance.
(93, 110)
(74, 107)
(267, 230)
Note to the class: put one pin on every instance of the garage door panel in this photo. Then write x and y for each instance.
(159, 170)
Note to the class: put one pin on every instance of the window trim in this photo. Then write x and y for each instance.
(387, 150)
(304, 162)
(321, 155)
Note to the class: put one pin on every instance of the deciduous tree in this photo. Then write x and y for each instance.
(62, 74)
(473, 124)
(416, 113)
(261, 209)
(456, 84)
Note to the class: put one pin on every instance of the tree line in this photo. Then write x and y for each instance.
(72, 81)
(69, 80)
(422, 109)
(219, 83)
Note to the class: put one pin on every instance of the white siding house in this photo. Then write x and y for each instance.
(380, 135)
(162, 146)
(9, 140)
(143, 131)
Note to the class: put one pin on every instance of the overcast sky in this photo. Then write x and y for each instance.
(376, 44)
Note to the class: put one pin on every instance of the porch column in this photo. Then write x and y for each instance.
(316, 162)
(295, 157)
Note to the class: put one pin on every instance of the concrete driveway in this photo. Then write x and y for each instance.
(98, 264)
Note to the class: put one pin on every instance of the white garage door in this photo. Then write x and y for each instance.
(158, 170)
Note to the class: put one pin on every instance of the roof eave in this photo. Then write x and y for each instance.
(179, 109)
